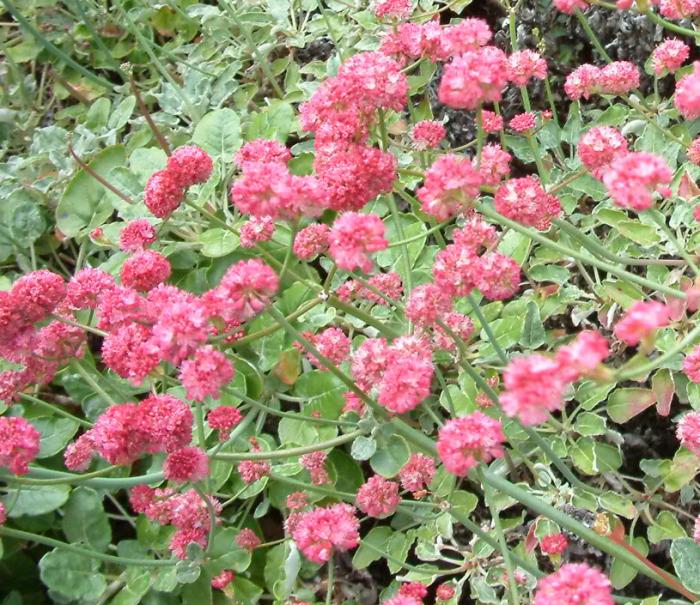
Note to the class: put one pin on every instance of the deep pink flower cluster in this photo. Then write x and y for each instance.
(523, 122)
(535, 384)
(600, 146)
(640, 321)
(206, 373)
(378, 497)
(256, 230)
(332, 343)
(669, 56)
(451, 184)
(224, 418)
(126, 432)
(617, 78)
(525, 201)
(491, 122)
(427, 134)
(315, 463)
(353, 237)
(186, 464)
(554, 544)
(688, 432)
(687, 97)
(223, 579)
(321, 531)
(188, 512)
(311, 241)
(632, 179)
(494, 166)
(526, 64)
(137, 235)
(417, 474)
(166, 188)
(574, 583)
(19, 444)
(144, 270)
(466, 441)
(388, 284)
(427, 303)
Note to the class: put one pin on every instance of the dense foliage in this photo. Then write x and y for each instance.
(312, 301)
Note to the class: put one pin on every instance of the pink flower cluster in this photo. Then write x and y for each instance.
(691, 365)
(127, 431)
(687, 97)
(321, 531)
(679, 9)
(393, 9)
(669, 56)
(224, 418)
(417, 474)
(688, 432)
(315, 463)
(256, 230)
(535, 384)
(388, 284)
(19, 444)
(599, 147)
(640, 321)
(332, 343)
(574, 583)
(427, 134)
(451, 184)
(311, 241)
(188, 512)
(466, 441)
(353, 237)
(632, 179)
(166, 188)
(617, 78)
(525, 201)
(378, 497)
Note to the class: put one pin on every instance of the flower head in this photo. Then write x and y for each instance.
(311, 241)
(223, 419)
(19, 444)
(633, 178)
(427, 134)
(574, 583)
(163, 194)
(187, 464)
(525, 201)
(262, 151)
(378, 497)
(668, 56)
(474, 78)
(417, 474)
(247, 539)
(641, 320)
(137, 235)
(687, 98)
(526, 64)
(600, 146)
(688, 432)
(466, 441)
(320, 531)
(145, 270)
(353, 237)
(554, 544)
(451, 183)
(190, 165)
(206, 373)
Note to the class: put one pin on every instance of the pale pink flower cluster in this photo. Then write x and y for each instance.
(256, 230)
(694, 151)
(417, 474)
(526, 64)
(679, 9)
(525, 201)
(353, 237)
(451, 185)
(427, 134)
(491, 122)
(494, 166)
(574, 583)
(617, 78)
(378, 497)
(535, 384)
(523, 122)
(632, 179)
(321, 531)
(393, 9)
(466, 441)
(640, 321)
(687, 97)
(388, 284)
(19, 444)
(248, 539)
(669, 56)
(688, 432)
(600, 146)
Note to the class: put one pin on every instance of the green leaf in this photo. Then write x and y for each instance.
(72, 576)
(219, 133)
(685, 554)
(390, 457)
(366, 555)
(85, 521)
(217, 242)
(198, 592)
(84, 204)
(533, 335)
(615, 503)
(33, 500)
(593, 458)
(665, 527)
(622, 574)
(589, 424)
(363, 448)
(625, 404)
(275, 121)
(55, 434)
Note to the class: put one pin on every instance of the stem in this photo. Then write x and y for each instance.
(76, 365)
(487, 328)
(58, 480)
(57, 410)
(98, 482)
(591, 36)
(86, 552)
(330, 581)
(659, 219)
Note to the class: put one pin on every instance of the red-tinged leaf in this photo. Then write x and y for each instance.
(664, 389)
(287, 369)
(624, 404)
(531, 539)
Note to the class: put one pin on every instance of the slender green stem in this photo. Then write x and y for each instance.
(659, 219)
(86, 552)
(72, 479)
(307, 306)
(56, 409)
(77, 366)
(541, 239)
(93, 481)
(330, 581)
(300, 417)
(487, 328)
(415, 238)
(591, 36)
(670, 26)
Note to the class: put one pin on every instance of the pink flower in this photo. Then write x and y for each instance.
(393, 9)
(417, 474)
(466, 441)
(19, 444)
(494, 165)
(86, 287)
(444, 592)
(454, 269)
(526, 64)
(523, 121)
(640, 321)
(525, 201)
(497, 276)
(669, 56)
(378, 497)
(600, 146)
(253, 470)
(679, 9)
(190, 165)
(584, 81)
(297, 500)
(262, 151)
(694, 151)
(78, 454)
(223, 419)
(166, 421)
(461, 325)
(426, 303)
(534, 386)
(389, 284)
(163, 194)
(574, 583)
(36, 295)
(687, 98)
(127, 351)
(369, 362)
(353, 237)
(145, 270)
(315, 463)
(244, 291)
(691, 365)
(554, 544)
(187, 464)
(451, 184)
(570, 6)
(633, 178)
(619, 78)
(136, 235)
(688, 432)
(352, 404)
(256, 230)
(468, 34)
(427, 134)
(247, 539)
(223, 579)
(416, 590)
(332, 343)
(490, 121)
(206, 373)
(406, 381)
(320, 531)
(311, 241)
(696, 530)
(582, 356)
(3, 514)
(474, 78)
